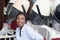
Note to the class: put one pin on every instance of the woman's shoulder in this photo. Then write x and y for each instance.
(17, 29)
(28, 26)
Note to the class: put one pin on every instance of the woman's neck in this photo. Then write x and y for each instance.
(21, 27)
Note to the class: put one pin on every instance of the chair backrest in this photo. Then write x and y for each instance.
(8, 37)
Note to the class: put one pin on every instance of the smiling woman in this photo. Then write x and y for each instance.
(24, 31)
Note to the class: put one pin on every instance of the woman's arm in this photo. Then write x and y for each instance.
(17, 33)
(33, 35)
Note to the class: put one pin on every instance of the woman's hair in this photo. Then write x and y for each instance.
(21, 13)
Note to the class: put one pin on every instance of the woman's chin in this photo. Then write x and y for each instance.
(20, 25)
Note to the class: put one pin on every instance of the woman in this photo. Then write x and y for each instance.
(24, 31)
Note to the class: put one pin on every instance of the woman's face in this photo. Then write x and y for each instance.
(21, 20)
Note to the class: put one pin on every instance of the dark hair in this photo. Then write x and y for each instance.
(21, 13)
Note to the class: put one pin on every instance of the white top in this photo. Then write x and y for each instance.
(27, 33)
